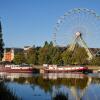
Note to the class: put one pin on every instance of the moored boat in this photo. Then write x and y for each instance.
(65, 69)
(16, 68)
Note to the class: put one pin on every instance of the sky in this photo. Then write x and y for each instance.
(31, 22)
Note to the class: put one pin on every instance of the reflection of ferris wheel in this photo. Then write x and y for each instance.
(80, 26)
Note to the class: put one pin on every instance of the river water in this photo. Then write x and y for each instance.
(69, 86)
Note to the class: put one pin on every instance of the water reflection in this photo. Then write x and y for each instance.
(60, 96)
(6, 93)
(53, 85)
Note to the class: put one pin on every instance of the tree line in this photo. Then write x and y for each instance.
(49, 54)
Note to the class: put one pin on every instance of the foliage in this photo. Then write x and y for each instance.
(95, 61)
(31, 56)
(1, 44)
(66, 57)
(19, 58)
(78, 56)
(43, 57)
(49, 54)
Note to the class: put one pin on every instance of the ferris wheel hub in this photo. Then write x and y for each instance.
(78, 34)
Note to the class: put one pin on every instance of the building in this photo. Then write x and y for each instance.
(27, 48)
(9, 53)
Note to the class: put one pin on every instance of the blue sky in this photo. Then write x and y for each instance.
(29, 22)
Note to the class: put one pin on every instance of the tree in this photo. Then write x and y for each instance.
(1, 44)
(56, 56)
(78, 56)
(19, 58)
(31, 56)
(66, 57)
(49, 54)
(43, 58)
(46, 53)
(46, 44)
(95, 61)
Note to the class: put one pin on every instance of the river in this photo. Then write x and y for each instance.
(65, 86)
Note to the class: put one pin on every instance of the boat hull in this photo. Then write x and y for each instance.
(65, 70)
(14, 69)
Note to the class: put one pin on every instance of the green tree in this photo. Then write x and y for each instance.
(42, 57)
(95, 61)
(56, 56)
(49, 54)
(43, 54)
(66, 57)
(19, 58)
(1, 44)
(31, 56)
(46, 44)
(78, 56)
(46, 53)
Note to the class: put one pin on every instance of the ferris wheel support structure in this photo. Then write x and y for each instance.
(78, 38)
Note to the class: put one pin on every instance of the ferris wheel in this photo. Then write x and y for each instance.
(79, 25)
